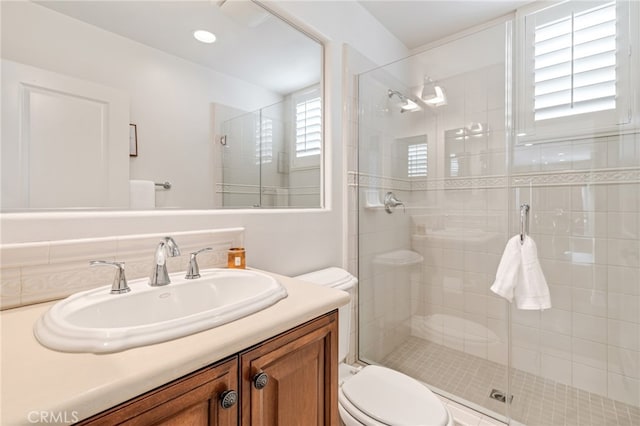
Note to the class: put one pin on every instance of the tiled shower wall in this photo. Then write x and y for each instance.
(586, 222)
(385, 292)
(586, 226)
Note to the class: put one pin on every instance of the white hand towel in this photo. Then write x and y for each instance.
(508, 274)
(532, 291)
(520, 276)
(142, 194)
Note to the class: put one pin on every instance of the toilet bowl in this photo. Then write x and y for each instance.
(376, 395)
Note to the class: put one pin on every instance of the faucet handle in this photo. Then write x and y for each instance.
(119, 285)
(172, 247)
(193, 271)
(390, 201)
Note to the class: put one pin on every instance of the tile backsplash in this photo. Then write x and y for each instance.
(38, 272)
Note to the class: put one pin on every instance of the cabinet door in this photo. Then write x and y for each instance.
(301, 367)
(193, 400)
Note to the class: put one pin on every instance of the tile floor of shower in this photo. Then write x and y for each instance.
(537, 401)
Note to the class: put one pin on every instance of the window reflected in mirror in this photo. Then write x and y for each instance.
(466, 150)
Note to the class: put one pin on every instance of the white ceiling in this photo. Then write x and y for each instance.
(271, 54)
(267, 52)
(418, 22)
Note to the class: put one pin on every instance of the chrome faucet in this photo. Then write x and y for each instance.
(159, 275)
(390, 201)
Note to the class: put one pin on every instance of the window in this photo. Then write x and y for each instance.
(575, 63)
(454, 165)
(417, 160)
(307, 128)
(264, 140)
(574, 68)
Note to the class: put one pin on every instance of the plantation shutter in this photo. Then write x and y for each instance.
(308, 127)
(417, 160)
(575, 63)
(264, 140)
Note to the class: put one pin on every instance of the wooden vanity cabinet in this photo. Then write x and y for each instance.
(288, 380)
(301, 367)
(191, 400)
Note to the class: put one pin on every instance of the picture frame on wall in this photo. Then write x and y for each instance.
(133, 140)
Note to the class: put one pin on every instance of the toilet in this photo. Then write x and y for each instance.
(375, 395)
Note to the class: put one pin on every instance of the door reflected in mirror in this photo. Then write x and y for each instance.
(76, 74)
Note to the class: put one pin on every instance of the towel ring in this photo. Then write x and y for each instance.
(524, 221)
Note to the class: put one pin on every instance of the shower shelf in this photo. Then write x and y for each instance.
(398, 258)
(372, 199)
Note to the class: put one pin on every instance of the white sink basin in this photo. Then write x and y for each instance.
(97, 321)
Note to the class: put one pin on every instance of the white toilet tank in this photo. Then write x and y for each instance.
(342, 280)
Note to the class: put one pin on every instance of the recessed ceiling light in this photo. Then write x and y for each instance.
(204, 36)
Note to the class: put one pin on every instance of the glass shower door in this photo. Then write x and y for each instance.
(241, 161)
(425, 268)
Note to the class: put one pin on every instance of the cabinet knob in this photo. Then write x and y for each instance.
(228, 398)
(260, 380)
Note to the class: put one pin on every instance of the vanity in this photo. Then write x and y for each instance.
(276, 366)
(289, 379)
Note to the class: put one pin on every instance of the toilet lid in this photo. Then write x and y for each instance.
(330, 277)
(393, 398)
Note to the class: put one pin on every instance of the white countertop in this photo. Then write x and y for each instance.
(74, 386)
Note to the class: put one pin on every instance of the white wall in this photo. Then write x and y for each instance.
(347, 22)
(287, 242)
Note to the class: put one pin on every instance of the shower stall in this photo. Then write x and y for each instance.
(459, 165)
(252, 144)
(270, 157)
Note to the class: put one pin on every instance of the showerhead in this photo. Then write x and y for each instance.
(390, 93)
(406, 103)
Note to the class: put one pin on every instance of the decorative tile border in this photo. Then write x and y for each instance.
(227, 188)
(590, 177)
(563, 178)
(268, 190)
(352, 178)
(365, 180)
(37, 272)
(459, 183)
(298, 190)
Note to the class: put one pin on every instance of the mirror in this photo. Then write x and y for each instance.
(116, 105)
